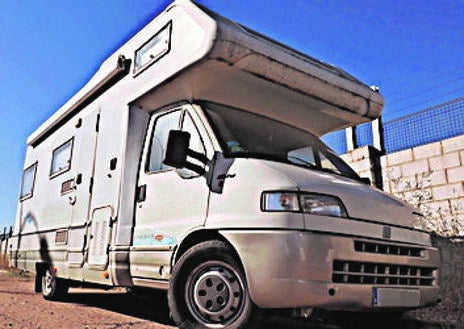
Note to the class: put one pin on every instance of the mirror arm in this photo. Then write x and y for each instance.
(198, 156)
(199, 170)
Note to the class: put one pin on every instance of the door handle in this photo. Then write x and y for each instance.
(141, 193)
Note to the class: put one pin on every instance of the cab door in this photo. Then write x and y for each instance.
(170, 202)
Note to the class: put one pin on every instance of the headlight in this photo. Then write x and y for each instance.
(323, 205)
(310, 203)
(280, 201)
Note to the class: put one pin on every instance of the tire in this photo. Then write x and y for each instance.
(208, 290)
(53, 288)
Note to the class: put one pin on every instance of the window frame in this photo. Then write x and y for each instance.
(185, 114)
(60, 171)
(184, 111)
(29, 195)
(140, 67)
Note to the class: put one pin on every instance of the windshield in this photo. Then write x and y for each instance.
(245, 134)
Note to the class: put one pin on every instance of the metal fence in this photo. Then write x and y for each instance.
(427, 126)
(4, 237)
(6, 233)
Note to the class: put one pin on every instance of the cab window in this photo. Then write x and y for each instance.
(196, 142)
(159, 140)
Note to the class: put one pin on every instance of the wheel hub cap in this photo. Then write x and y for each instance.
(217, 294)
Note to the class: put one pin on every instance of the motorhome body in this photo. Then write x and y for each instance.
(255, 211)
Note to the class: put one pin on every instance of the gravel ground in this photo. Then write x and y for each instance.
(21, 308)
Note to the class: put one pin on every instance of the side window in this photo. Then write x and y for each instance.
(159, 140)
(304, 155)
(196, 143)
(326, 163)
(61, 158)
(27, 185)
(154, 49)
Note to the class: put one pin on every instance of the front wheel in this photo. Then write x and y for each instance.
(53, 288)
(208, 290)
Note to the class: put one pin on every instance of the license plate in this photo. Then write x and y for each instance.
(390, 297)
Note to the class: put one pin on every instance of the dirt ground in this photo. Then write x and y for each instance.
(21, 308)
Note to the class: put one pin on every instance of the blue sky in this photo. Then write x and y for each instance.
(413, 50)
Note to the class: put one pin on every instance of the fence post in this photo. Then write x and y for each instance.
(351, 142)
(2, 239)
(378, 140)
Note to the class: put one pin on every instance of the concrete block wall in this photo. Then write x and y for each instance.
(431, 177)
(366, 162)
(451, 308)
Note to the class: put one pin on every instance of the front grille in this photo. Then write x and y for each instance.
(388, 249)
(382, 274)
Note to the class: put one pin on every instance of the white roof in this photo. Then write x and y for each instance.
(211, 58)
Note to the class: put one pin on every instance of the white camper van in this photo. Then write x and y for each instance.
(191, 162)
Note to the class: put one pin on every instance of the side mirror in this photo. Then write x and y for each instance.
(177, 151)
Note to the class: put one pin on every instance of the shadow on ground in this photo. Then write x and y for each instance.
(285, 323)
(154, 308)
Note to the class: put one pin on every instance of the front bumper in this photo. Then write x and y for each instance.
(291, 269)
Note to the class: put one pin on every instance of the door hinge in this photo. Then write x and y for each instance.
(97, 125)
(91, 185)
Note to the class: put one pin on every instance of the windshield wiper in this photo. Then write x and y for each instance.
(276, 157)
(303, 162)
